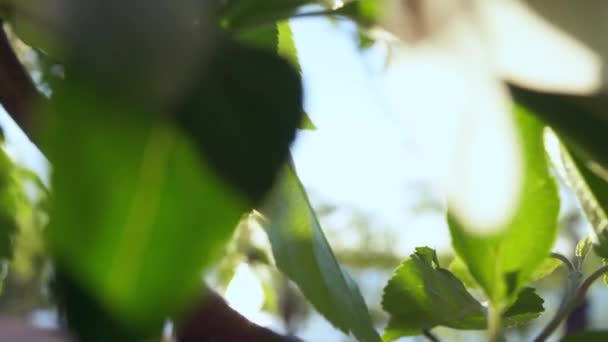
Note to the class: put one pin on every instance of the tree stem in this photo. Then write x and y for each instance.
(494, 324)
(575, 293)
(430, 336)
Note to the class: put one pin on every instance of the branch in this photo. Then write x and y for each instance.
(213, 320)
(18, 94)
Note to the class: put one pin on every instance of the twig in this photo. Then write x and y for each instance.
(565, 260)
(575, 294)
(213, 320)
(430, 336)
(18, 94)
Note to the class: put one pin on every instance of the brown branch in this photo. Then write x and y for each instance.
(18, 94)
(213, 320)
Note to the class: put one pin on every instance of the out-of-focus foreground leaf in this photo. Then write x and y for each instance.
(137, 212)
(303, 254)
(496, 261)
(278, 38)
(144, 200)
(422, 295)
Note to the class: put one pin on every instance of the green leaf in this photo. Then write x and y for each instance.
(144, 200)
(580, 121)
(286, 45)
(364, 12)
(459, 268)
(497, 262)
(243, 115)
(587, 336)
(303, 254)
(137, 211)
(527, 306)
(422, 295)
(583, 247)
(592, 193)
(12, 199)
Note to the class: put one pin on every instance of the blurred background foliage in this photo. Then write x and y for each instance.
(163, 139)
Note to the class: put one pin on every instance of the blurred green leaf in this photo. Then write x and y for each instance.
(303, 254)
(137, 212)
(278, 38)
(12, 198)
(243, 114)
(496, 261)
(592, 194)
(422, 295)
(587, 336)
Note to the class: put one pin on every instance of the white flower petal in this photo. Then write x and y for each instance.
(535, 53)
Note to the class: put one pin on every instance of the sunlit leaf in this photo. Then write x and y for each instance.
(459, 268)
(496, 261)
(303, 254)
(422, 295)
(279, 38)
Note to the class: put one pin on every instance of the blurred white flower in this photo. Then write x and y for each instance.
(445, 80)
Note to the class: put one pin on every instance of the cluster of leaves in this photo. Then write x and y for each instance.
(160, 145)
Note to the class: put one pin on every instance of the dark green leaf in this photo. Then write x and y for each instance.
(278, 38)
(303, 254)
(239, 14)
(580, 121)
(527, 307)
(496, 261)
(243, 114)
